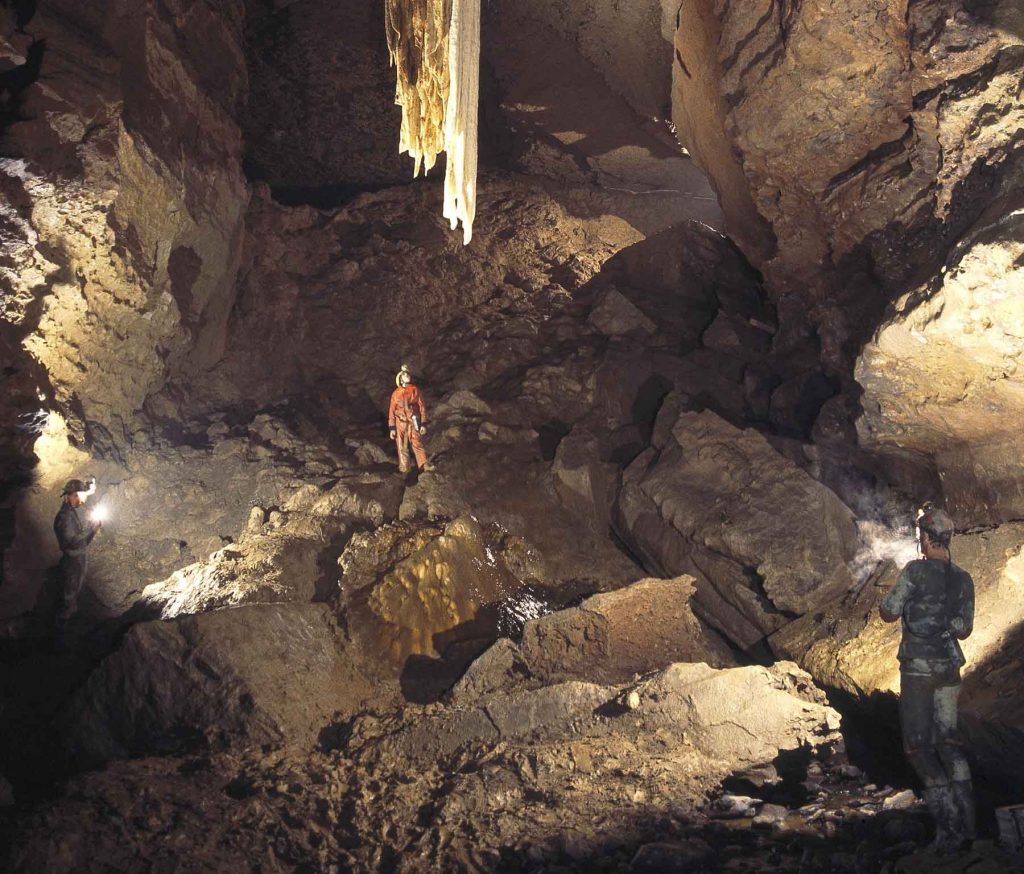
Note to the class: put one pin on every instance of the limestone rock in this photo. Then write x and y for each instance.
(499, 668)
(614, 314)
(604, 87)
(128, 227)
(735, 717)
(630, 46)
(838, 133)
(665, 857)
(612, 636)
(557, 770)
(585, 483)
(339, 130)
(943, 378)
(847, 646)
(286, 558)
(766, 541)
(253, 675)
(740, 715)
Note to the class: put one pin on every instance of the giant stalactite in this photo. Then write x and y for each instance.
(435, 47)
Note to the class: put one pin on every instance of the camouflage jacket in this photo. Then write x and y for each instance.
(935, 600)
(73, 537)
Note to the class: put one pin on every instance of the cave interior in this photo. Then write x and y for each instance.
(744, 288)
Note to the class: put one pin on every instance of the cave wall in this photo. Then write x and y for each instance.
(629, 44)
(866, 155)
(868, 134)
(125, 200)
(321, 111)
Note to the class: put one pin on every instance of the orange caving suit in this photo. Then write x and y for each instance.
(407, 402)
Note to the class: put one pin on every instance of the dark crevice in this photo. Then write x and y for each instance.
(24, 11)
(741, 44)
(13, 83)
(874, 157)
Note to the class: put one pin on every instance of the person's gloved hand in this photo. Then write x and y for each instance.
(393, 433)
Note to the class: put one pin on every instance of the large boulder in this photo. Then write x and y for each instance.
(612, 636)
(765, 540)
(283, 555)
(253, 675)
(734, 718)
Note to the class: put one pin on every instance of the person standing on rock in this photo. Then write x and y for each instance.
(74, 538)
(407, 421)
(935, 601)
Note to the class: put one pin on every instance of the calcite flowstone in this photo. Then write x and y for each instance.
(411, 590)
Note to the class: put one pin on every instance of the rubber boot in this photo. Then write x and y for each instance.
(943, 809)
(963, 796)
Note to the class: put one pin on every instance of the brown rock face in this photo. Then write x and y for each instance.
(766, 541)
(321, 117)
(268, 674)
(563, 772)
(127, 225)
(850, 140)
(612, 636)
(942, 376)
(629, 44)
(847, 646)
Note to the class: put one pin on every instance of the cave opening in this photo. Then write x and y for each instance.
(741, 294)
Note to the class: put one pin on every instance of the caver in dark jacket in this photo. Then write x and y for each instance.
(74, 538)
(934, 599)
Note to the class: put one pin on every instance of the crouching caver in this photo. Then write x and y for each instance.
(935, 600)
(407, 421)
(74, 538)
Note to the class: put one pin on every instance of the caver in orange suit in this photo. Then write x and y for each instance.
(407, 420)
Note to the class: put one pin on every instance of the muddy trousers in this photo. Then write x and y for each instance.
(406, 434)
(931, 740)
(70, 579)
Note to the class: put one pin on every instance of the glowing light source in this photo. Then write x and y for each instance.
(100, 514)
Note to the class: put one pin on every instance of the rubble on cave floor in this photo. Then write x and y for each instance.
(566, 777)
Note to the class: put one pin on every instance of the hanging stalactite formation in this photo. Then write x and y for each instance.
(417, 32)
(435, 48)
